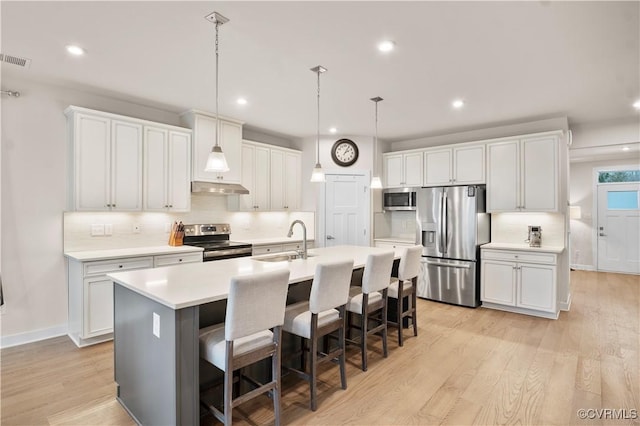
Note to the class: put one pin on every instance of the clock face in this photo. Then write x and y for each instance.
(344, 152)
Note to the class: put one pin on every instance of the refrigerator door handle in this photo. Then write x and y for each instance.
(445, 216)
(448, 265)
(441, 224)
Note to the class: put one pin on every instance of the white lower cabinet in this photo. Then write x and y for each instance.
(279, 248)
(520, 281)
(91, 292)
(392, 244)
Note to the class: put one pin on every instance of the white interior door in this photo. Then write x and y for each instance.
(619, 227)
(346, 211)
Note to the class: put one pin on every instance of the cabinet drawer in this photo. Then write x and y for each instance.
(296, 246)
(267, 249)
(389, 244)
(519, 256)
(176, 259)
(106, 266)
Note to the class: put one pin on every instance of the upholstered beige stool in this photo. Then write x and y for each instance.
(407, 275)
(370, 302)
(251, 332)
(321, 315)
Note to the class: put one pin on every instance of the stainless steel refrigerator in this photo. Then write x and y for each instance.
(452, 224)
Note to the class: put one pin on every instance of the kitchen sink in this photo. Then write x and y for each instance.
(281, 257)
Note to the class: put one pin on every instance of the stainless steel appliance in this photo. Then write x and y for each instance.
(399, 198)
(214, 238)
(452, 224)
(535, 236)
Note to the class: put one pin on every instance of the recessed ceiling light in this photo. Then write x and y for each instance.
(626, 148)
(457, 104)
(386, 46)
(333, 130)
(75, 50)
(241, 101)
(636, 104)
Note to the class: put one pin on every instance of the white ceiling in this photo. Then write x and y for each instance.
(510, 61)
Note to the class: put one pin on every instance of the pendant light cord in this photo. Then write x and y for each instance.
(217, 72)
(318, 127)
(375, 145)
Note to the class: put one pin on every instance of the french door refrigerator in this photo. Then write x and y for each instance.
(452, 224)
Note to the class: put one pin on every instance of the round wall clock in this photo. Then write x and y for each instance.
(344, 152)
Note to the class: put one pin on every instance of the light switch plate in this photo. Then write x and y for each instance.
(97, 229)
(156, 325)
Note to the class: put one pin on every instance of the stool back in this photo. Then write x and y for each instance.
(377, 272)
(256, 303)
(330, 287)
(410, 263)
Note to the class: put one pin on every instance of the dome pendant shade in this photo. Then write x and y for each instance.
(376, 183)
(317, 175)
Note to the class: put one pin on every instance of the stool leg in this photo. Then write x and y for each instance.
(314, 371)
(341, 343)
(303, 346)
(414, 301)
(399, 316)
(275, 372)
(228, 386)
(363, 330)
(385, 350)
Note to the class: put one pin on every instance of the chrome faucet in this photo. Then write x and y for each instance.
(304, 236)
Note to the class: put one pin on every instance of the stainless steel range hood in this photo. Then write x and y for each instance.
(218, 188)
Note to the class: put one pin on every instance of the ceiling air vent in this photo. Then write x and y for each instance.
(15, 60)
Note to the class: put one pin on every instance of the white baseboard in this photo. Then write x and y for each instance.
(33, 336)
(565, 306)
(583, 267)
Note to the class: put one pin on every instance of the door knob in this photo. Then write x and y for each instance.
(329, 237)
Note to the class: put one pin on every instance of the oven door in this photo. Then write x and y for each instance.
(210, 256)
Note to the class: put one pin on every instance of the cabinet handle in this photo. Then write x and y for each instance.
(179, 260)
(119, 266)
(166, 206)
(171, 205)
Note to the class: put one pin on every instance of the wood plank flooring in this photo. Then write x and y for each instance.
(467, 366)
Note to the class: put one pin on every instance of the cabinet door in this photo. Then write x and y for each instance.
(537, 287)
(231, 143)
(246, 201)
(262, 187)
(278, 180)
(539, 168)
(204, 138)
(92, 146)
(499, 282)
(179, 180)
(126, 166)
(393, 170)
(468, 165)
(437, 167)
(413, 175)
(293, 177)
(98, 301)
(503, 177)
(156, 169)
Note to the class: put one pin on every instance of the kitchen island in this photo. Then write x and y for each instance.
(157, 317)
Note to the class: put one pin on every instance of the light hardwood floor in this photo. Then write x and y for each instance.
(467, 366)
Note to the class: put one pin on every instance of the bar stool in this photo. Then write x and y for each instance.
(255, 305)
(370, 299)
(321, 315)
(407, 274)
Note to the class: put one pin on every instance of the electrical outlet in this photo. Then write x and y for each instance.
(136, 228)
(97, 229)
(108, 229)
(167, 227)
(156, 325)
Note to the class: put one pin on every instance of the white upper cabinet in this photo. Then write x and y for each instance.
(461, 165)
(204, 138)
(127, 164)
(106, 172)
(403, 169)
(286, 173)
(167, 170)
(255, 177)
(522, 174)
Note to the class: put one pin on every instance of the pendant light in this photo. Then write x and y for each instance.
(318, 174)
(376, 183)
(216, 162)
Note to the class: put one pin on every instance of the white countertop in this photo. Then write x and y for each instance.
(272, 240)
(194, 284)
(88, 255)
(522, 247)
(395, 240)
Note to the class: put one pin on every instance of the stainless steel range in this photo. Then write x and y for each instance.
(214, 238)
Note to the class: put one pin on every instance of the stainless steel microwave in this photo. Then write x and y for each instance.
(399, 199)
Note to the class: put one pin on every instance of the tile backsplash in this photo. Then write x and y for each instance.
(152, 228)
(395, 224)
(513, 227)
